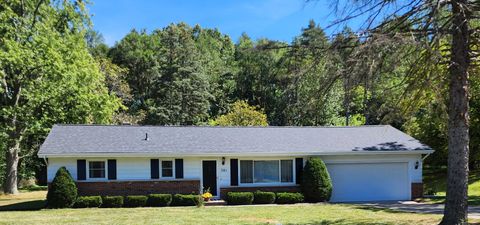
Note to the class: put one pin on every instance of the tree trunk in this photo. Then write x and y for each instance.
(458, 138)
(12, 158)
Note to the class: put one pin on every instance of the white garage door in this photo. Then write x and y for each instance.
(369, 181)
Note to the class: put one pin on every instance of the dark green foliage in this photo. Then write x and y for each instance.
(88, 202)
(239, 198)
(159, 200)
(187, 200)
(35, 188)
(112, 201)
(289, 198)
(261, 197)
(316, 185)
(63, 191)
(135, 201)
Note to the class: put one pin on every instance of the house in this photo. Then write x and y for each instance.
(366, 163)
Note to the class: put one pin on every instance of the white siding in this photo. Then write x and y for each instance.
(55, 163)
(133, 168)
(139, 168)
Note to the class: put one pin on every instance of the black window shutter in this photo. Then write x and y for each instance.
(178, 168)
(154, 170)
(81, 169)
(112, 169)
(234, 172)
(298, 170)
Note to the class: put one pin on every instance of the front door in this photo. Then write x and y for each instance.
(210, 176)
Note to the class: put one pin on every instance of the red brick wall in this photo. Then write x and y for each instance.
(223, 191)
(417, 190)
(138, 187)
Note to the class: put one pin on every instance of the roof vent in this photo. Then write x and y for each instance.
(146, 137)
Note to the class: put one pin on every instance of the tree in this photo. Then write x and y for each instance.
(430, 23)
(62, 192)
(316, 183)
(241, 114)
(47, 76)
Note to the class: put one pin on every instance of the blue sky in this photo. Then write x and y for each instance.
(273, 19)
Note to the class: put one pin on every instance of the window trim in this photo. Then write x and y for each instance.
(105, 167)
(161, 169)
(279, 183)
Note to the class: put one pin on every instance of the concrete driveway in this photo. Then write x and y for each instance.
(411, 206)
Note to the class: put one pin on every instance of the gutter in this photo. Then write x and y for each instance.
(236, 154)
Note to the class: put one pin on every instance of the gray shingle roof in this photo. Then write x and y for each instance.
(100, 139)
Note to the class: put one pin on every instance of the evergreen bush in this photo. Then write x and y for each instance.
(316, 185)
(63, 190)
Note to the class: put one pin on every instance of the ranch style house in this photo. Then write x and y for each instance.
(366, 163)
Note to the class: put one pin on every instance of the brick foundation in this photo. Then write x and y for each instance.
(417, 190)
(223, 191)
(138, 187)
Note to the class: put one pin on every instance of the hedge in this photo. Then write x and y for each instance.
(289, 198)
(135, 201)
(88, 202)
(112, 201)
(316, 185)
(239, 198)
(261, 197)
(187, 200)
(159, 200)
(63, 190)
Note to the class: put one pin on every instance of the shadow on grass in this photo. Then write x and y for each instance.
(24, 206)
(472, 200)
(339, 222)
(377, 209)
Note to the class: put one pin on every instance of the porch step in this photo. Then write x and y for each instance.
(215, 202)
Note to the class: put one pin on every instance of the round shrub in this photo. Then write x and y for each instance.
(316, 185)
(187, 200)
(112, 201)
(159, 200)
(289, 198)
(135, 201)
(261, 197)
(239, 198)
(88, 202)
(63, 191)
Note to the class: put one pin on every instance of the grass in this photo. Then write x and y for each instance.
(325, 214)
(436, 180)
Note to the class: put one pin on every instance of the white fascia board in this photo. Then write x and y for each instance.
(220, 154)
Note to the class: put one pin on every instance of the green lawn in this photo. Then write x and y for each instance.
(436, 180)
(284, 214)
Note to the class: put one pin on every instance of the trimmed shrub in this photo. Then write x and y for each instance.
(88, 202)
(316, 185)
(261, 197)
(63, 191)
(289, 198)
(239, 198)
(159, 200)
(135, 201)
(187, 200)
(112, 201)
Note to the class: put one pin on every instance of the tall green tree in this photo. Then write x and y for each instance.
(429, 23)
(47, 76)
(241, 114)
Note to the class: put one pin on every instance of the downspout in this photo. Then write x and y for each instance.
(426, 156)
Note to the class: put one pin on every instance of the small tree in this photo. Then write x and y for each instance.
(316, 185)
(241, 114)
(63, 191)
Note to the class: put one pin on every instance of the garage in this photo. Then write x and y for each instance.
(369, 181)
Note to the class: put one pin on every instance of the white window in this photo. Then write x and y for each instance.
(167, 168)
(96, 169)
(266, 171)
